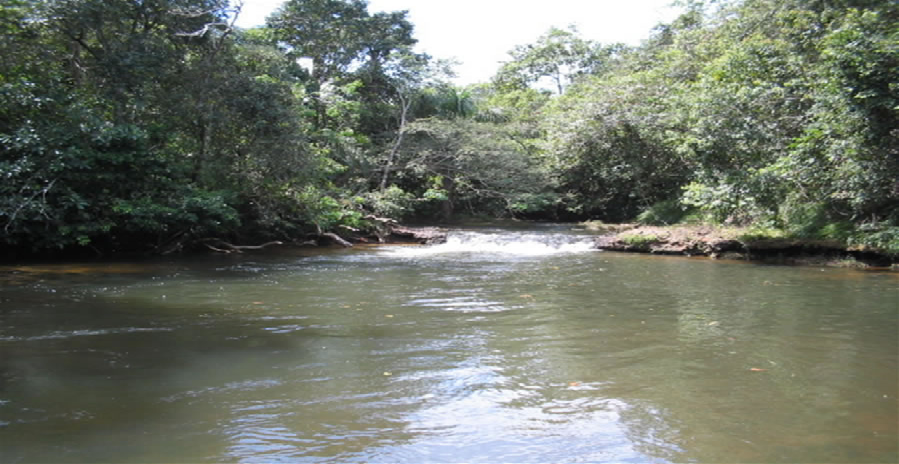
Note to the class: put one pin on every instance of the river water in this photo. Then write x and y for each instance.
(499, 346)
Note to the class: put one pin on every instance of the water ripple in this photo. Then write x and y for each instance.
(63, 334)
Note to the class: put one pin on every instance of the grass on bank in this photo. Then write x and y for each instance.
(882, 239)
(810, 223)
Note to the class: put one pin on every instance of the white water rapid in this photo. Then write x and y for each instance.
(501, 243)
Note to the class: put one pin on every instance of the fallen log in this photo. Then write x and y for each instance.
(381, 227)
(423, 235)
(256, 247)
(175, 243)
(337, 239)
(225, 247)
(383, 220)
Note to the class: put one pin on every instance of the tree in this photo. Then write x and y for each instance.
(481, 165)
(606, 143)
(125, 127)
(560, 56)
(335, 34)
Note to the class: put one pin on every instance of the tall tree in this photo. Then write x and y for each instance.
(560, 56)
(335, 34)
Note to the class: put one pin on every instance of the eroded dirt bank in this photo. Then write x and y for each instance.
(731, 242)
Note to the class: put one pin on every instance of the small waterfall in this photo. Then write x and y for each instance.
(502, 243)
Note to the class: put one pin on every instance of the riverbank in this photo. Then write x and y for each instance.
(737, 243)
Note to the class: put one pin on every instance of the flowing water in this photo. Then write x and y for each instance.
(498, 346)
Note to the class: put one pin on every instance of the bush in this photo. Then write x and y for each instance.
(802, 218)
(663, 213)
(639, 240)
(393, 202)
(841, 231)
(885, 240)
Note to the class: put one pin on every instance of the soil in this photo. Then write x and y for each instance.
(733, 243)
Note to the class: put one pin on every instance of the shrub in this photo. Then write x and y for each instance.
(886, 240)
(802, 218)
(639, 240)
(663, 213)
(393, 202)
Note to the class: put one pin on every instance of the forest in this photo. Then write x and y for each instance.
(147, 126)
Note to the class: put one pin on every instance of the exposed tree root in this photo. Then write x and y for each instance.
(225, 247)
(337, 239)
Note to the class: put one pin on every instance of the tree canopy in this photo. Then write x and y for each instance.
(144, 127)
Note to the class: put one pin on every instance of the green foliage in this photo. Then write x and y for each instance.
(663, 213)
(446, 102)
(640, 241)
(759, 233)
(134, 126)
(729, 201)
(885, 240)
(804, 219)
(435, 194)
(527, 203)
(124, 127)
(484, 166)
(87, 181)
(605, 139)
(206, 213)
(393, 202)
(559, 56)
(338, 33)
(841, 231)
(759, 112)
(312, 209)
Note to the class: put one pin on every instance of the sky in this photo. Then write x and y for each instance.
(480, 33)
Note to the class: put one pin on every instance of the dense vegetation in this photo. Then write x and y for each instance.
(148, 125)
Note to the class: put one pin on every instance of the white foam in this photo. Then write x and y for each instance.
(513, 244)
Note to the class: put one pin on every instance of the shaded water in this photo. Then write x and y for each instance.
(497, 346)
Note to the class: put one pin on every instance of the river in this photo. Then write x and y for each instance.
(503, 345)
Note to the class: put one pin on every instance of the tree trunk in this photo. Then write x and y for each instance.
(338, 239)
(450, 187)
(404, 109)
(320, 77)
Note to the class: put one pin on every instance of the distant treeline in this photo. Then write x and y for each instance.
(149, 126)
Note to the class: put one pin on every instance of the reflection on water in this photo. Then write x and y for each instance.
(498, 346)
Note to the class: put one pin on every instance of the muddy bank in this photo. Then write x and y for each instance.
(737, 243)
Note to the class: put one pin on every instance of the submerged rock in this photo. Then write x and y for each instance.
(423, 235)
